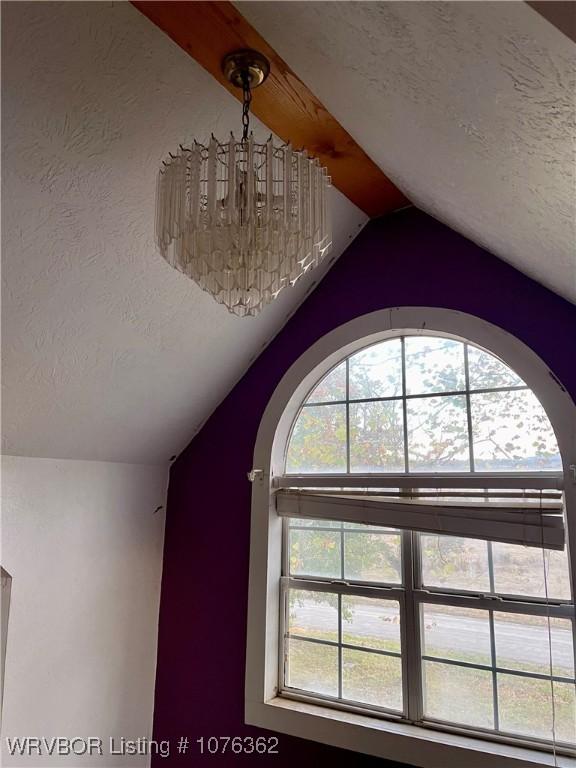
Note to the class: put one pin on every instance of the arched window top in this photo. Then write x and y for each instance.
(421, 403)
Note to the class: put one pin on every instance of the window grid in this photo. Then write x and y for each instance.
(347, 415)
(340, 644)
(403, 398)
(499, 670)
(412, 596)
(468, 408)
(411, 593)
(299, 584)
(420, 396)
(493, 640)
(404, 405)
(343, 531)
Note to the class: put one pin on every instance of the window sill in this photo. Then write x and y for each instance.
(421, 747)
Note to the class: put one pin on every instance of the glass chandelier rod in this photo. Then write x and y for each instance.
(243, 219)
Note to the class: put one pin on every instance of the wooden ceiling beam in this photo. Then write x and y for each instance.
(210, 30)
(560, 13)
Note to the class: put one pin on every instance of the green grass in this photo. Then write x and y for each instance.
(456, 694)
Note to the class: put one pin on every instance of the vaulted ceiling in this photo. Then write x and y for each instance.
(469, 107)
(110, 354)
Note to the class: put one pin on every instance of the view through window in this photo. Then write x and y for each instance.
(433, 629)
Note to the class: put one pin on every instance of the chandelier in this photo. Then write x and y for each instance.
(242, 219)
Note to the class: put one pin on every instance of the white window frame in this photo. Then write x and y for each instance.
(402, 742)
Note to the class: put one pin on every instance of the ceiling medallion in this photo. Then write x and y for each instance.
(242, 219)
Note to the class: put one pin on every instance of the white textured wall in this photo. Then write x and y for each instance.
(93, 319)
(84, 548)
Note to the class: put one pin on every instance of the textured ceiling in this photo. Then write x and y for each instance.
(468, 107)
(108, 353)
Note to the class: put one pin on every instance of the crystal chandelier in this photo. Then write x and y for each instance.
(243, 219)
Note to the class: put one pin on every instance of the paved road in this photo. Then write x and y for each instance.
(515, 644)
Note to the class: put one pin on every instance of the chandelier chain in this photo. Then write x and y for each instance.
(246, 101)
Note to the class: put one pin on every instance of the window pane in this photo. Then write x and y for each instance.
(450, 562)
(372, 557)
(438, 434)
(313, 614)
(372, 678)
(315, 553)
(434, 365)
(368, 528)
(332, 386)
(318, 441)
(303, 522)
(525, 707)
(313, 667)
(458, 694)
(520, 571)
(512, 432)
(376, 371)
(371, 623)
(486, 371)
(456, 633)
(377, 437)
(522, 642)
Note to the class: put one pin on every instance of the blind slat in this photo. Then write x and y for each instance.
(520, 480)
(525, 523)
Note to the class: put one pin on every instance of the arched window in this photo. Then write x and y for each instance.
(425, 577)
(421, 404)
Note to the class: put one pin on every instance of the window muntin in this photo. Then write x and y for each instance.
(425, 404)
(511, 432)
(365, 554)
(327, 652)
(376, 371)
(433, 365)
(318, 442)
(331, 388)
(452, 563)
(421, 404)
(502, 658)
(469, 641)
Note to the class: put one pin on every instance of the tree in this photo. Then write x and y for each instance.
(510, 432)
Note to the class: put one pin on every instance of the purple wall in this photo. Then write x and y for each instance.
(406, 259)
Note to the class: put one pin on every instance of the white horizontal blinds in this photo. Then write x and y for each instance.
(527, 519)
(473, 480)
